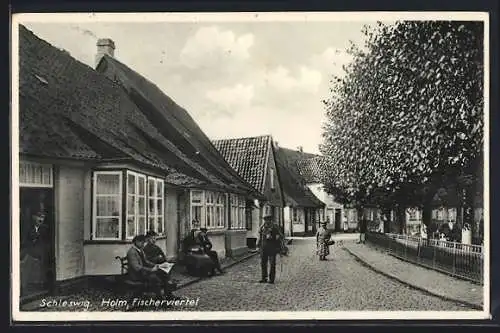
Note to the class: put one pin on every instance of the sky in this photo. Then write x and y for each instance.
(236, 79)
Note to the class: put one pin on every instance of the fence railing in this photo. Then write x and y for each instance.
(457, 259)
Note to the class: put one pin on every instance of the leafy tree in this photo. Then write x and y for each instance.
(407, 116)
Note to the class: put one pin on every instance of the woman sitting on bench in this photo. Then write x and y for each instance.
(142, 270)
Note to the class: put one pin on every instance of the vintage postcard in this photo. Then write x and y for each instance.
(250, 166)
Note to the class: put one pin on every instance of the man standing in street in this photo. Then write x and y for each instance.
(269, 243)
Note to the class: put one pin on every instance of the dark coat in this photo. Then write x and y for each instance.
(138, 267)
(270, 239)
(154, 253)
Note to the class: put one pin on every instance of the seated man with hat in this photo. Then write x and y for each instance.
(205, 243)
(152, 251)
(141, 269)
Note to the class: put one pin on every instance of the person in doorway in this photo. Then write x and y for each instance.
(152, 251)
(206, 245)
(323, 241)
(140, 269)
(269, 243)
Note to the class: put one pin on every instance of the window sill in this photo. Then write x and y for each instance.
(115, 241)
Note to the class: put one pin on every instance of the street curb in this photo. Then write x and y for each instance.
(393, 277)
(197, 279)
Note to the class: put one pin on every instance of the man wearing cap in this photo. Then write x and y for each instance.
(269, 244)
(206, 245)
(140, 269)
(152, 251)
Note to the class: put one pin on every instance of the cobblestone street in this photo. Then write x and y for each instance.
(303, 283)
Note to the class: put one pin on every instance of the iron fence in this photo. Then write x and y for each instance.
(457, 259)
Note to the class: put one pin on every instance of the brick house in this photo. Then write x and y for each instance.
(254, 159)
(103, 156)
(302, 209)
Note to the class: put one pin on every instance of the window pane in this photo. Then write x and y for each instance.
(107, 228)
(196, 196)
(142, 186)
(142, 225)
(151, 187)
(209, 216)
(159, 221)
(108, 206)
(196, 215)
(151, 223)
(130, 205)
(131, 226)
(142, 206)
(151, 205)
(108, 184)
(159, 188)
(130, 184)
(159, 208)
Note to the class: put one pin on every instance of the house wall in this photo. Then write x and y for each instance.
(330, 204)
(287, 221)
(236, 242)
(171, 223)
(72, 196)
(273, 195)
(298, 228)
(256, 222)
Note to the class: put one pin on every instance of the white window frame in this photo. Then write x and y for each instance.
(220, 205)
(32, 166)
(210, 198)
(94, 204)
(295, 216)
(196, 204)
(137, 196)
(159, 218)
(234, 211)
(242, 213)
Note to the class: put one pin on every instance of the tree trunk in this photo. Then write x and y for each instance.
(386, 214)
(400, 218)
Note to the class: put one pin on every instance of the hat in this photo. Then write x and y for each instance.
(323, 223)
(268, 217)
(203, 229)
(151, 233)
(139, 238)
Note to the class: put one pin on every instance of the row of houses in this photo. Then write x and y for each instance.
(105, 155)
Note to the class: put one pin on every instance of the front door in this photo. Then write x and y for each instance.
(36, 239)
(338, 219)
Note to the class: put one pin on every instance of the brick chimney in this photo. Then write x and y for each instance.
(104, 46)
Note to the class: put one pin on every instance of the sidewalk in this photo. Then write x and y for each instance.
(427, 280)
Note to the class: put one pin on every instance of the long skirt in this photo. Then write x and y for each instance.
(323, 248)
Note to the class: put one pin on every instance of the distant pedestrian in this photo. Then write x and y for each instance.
(269, 243)
(362, 231)
(323, 241)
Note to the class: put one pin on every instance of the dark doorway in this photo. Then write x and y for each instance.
(338, 219)
(37, 240)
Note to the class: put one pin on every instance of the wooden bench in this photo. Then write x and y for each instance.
(127, 285)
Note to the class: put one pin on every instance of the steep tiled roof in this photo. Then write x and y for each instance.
(248, 156)
(294, 187)
(175, 124)
(69, 110)
(310, 168)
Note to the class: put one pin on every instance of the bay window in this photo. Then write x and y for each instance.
(155, 205)
(130, 207)
(107, 205)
